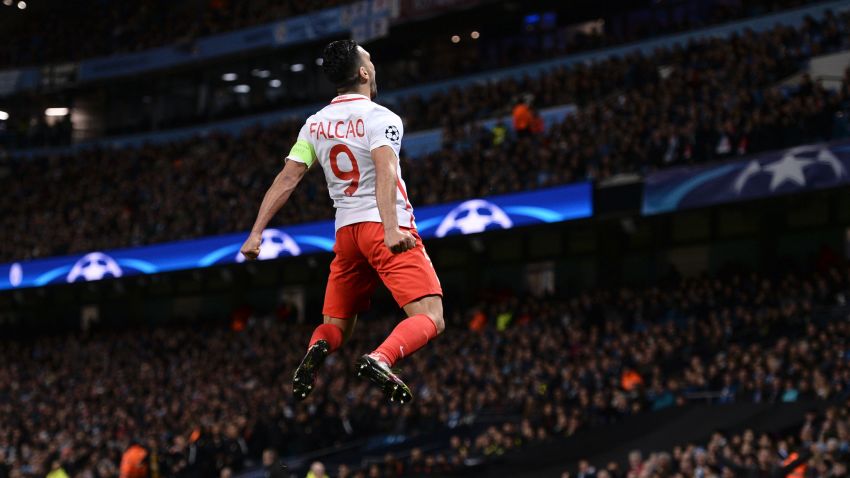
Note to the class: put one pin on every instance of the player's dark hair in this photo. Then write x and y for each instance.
(341, 63)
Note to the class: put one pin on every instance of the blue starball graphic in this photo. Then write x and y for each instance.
(792, 170)
(473, 216)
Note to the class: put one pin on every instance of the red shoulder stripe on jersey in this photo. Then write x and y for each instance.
(346, 99)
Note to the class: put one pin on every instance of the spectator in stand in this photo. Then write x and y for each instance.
(500, 133)
(57, 471)
(523, 116)
(635, 464)
(585, 470)
(272, 467)
(135, 462)
(317, 470)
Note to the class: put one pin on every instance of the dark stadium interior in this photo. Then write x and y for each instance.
(694, 323)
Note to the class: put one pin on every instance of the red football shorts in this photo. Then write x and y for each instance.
(362, 258)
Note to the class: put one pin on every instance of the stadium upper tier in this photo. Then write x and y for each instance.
(713, 99)
(59, 31)
(199, 96)
(46, 31)
(210, 397)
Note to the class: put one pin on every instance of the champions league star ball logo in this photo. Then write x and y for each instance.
(94, 266)
(476, 215)
(275, 244)
(392, 133)
(791, 168)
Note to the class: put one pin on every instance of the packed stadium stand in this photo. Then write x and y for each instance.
(719, 98)
(531, 369)
(499, 47)
(817, 448)
(640, 340)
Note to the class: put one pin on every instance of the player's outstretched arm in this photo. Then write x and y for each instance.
(385, 192)
(275, 198)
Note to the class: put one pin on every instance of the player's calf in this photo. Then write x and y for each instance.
(326, 338)
(407, 337)
(410, 335)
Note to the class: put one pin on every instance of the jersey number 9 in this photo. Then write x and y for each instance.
(353, 175)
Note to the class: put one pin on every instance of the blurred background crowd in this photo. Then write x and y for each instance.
(710, 100)
(205, 399)
(817, 448)
(745, 65)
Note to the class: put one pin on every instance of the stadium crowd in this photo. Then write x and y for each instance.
(398, 68)
(679, 78)
(205, 398)
(817, 449)
(712, 99)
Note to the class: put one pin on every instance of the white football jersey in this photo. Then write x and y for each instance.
(342, 136)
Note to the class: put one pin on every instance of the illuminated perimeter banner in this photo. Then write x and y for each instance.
(803, 168)
(468, 217)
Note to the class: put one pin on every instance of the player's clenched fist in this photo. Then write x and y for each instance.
(251, 247)
(399, 241)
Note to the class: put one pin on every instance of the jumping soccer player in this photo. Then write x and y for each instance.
(357, 143)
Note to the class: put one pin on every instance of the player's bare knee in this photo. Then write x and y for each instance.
(435, 312)
(439, 322)
(432, 306)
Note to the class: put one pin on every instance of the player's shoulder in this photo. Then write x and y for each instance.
(381, 109)
(382, 112)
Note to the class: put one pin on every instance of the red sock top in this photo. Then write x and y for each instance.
(330, 333)
(409, 335)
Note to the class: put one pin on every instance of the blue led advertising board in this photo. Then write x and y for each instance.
(472, 216)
